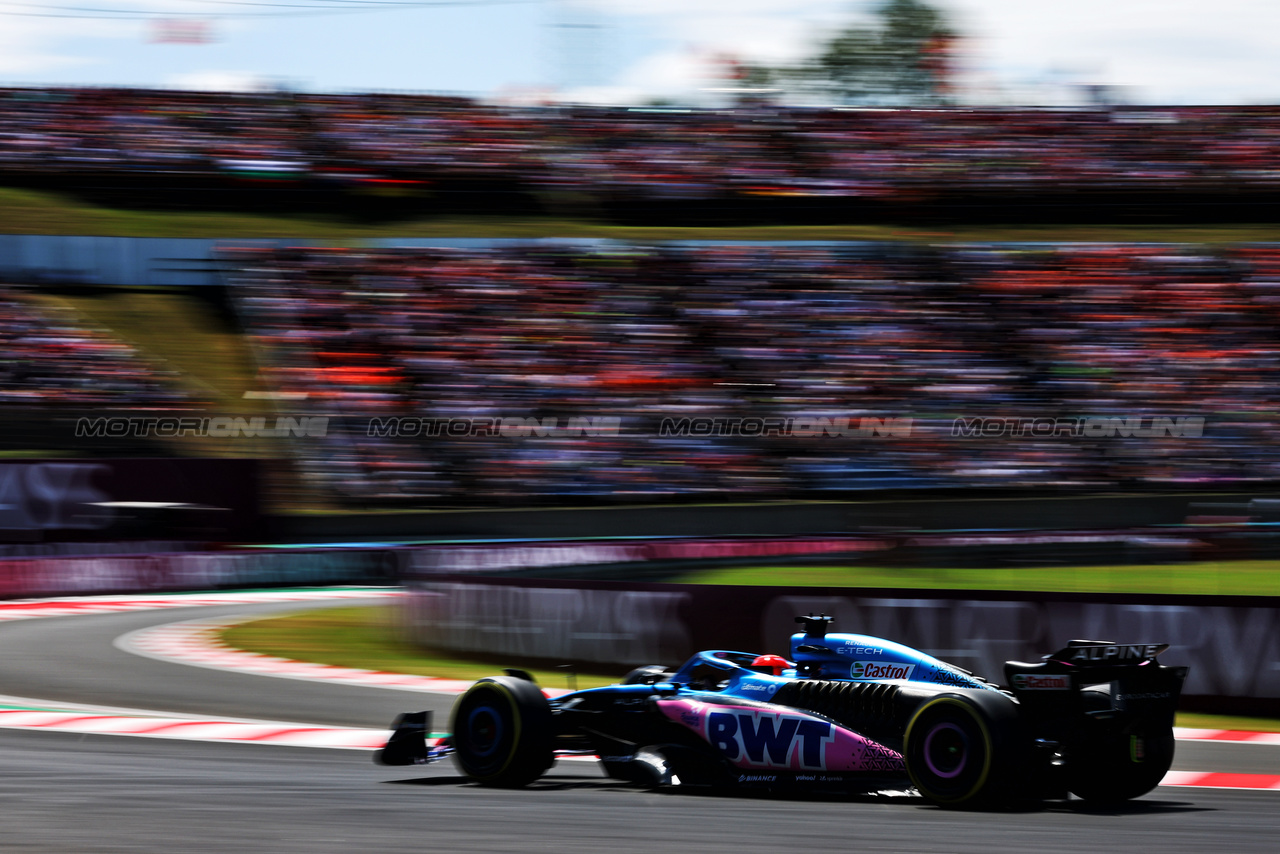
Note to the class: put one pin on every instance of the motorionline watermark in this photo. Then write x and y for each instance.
(694, 426)
(507, 426)
(600, 426)
(1089, 427)
(220, 427)
(799, 427)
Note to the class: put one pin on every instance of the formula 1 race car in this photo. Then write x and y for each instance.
(847, 711)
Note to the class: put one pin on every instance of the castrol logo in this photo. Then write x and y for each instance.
(880, 670)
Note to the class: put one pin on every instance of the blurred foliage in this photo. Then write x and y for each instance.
(901, 57)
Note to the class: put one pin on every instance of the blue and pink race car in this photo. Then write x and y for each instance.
(844, 711)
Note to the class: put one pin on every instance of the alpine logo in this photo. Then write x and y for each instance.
(880, 670)
(1041, 682)
(1117, 652)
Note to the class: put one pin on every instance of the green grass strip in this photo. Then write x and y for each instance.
(369, 637)
(1236, 578)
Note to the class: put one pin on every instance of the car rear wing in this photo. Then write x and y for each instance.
(1089, 653)
(1138, 684)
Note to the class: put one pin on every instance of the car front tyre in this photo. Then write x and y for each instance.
(502, 732)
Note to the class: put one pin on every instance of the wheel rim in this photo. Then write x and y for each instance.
(946, 751)
(484, 730)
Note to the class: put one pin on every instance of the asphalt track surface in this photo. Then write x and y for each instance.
(72, 660)
(64, 792)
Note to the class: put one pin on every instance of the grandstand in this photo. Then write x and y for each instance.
(643, 333)
(380, 156)
(742, 331)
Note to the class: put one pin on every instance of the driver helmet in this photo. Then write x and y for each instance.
(772, 664)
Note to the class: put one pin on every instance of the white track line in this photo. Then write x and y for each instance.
(197, 643)
(54, 716)
(160, 725)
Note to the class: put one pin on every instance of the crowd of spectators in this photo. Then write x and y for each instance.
(48, 357)
(732, 331)
(405, 143)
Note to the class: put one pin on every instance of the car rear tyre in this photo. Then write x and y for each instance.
(1114, 766)
(502, 732)
(961, 749)
(1120, 766)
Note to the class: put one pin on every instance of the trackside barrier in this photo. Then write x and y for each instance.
(177, 571)
(1231, 643)
(630, 555)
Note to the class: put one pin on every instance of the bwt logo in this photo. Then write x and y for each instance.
(219, 428)
(516, 427)
(768, 739)
(876, 670)
(803, 427)
(1091, 427)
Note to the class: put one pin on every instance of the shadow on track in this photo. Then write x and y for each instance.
(1139, 807)
(560, 782)
(566, 782)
